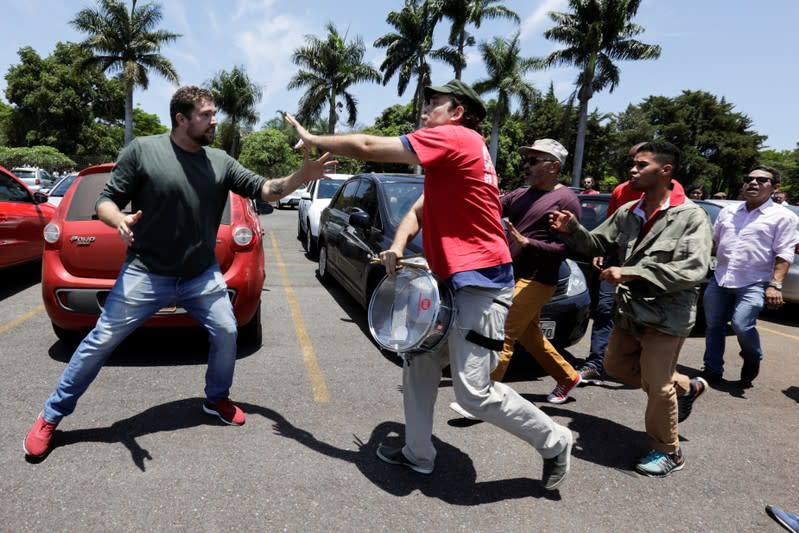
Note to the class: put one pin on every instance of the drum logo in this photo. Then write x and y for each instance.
(423, 304)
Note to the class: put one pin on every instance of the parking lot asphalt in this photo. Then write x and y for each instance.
(140, 455)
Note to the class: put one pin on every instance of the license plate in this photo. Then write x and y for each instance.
(547, 328)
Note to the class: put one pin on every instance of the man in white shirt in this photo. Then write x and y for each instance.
(779, 198)
(754, 244)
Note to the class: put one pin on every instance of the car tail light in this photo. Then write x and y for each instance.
(52, 232)
(242, 235)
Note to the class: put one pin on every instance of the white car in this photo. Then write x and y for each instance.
(312, 202)
(56, 194)
(292, 199)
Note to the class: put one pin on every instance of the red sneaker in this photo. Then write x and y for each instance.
(561, 392)
(226, 410)
(37, 441)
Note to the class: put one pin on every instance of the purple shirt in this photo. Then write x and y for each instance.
(748, 242)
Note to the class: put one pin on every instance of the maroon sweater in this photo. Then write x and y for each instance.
(528, 210)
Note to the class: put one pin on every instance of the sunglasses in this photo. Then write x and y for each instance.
(759, 179)
(533, 161)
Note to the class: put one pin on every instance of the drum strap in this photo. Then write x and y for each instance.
(485, 342)
(500, 302)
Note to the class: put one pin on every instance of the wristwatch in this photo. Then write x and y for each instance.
(775, 285)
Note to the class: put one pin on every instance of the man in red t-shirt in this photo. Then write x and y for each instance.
(465, 246)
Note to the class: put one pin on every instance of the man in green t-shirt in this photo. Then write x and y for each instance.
(177, 187)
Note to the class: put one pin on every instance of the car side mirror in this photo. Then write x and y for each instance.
(361, 220)
(305, 196)
(39, 198)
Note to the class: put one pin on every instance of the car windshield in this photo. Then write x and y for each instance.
(25, 174)
(327, 188)
(401, 195)
(63, 185)
(711, 209)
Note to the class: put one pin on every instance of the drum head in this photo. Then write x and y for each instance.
(404, 309)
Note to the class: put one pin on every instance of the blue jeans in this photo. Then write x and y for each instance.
(135, 297)
(603, 318)
(741, 306)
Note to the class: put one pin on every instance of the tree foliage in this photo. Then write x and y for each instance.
(126, 44)
(34, 156)
(237, 97)
(269, 153)
(54, 105)
(595, 34)
(328, 68)
(146, 123)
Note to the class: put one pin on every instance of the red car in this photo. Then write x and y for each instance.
(23, 215)
(82, 258)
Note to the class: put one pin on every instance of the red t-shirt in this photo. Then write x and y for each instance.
(462, 214)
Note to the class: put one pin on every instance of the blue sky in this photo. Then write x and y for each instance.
(744, 51)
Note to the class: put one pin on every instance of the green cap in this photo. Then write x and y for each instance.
(462, 91)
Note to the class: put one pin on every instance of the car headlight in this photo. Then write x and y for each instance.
(242, 235)
(577, 282)
(51, 233)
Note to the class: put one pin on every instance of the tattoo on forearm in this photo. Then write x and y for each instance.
(276, 187)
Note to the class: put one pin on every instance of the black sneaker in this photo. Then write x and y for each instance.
(749, 372)
(714, 378)
(686, 401)
(556, 468)
(395, 456)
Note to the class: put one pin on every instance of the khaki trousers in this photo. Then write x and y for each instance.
(649, 360)
(522, 324)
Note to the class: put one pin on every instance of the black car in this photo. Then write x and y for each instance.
(361, 221)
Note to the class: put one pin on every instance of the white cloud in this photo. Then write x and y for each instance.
(532, 23)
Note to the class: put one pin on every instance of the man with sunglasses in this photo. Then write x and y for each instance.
(754, 243)
(663, 241)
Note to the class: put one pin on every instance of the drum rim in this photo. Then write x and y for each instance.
(429, 329)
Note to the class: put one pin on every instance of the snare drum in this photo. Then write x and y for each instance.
(411, 311)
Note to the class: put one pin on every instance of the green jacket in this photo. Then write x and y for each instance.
(673, 259)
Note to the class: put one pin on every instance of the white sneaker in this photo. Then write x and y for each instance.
(455, 406)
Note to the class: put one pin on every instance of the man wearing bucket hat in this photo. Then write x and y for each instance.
(537, 256)
(465, 245)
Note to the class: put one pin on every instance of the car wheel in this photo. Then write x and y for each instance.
(68, 336)
(300, 233)
(323, 273)
(310, 244)
(251, 333)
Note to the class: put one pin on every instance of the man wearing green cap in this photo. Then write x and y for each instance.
(465, 245)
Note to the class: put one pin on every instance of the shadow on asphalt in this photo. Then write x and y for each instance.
(454, 481)
(20, 278)
(156, 347)
(792, 393)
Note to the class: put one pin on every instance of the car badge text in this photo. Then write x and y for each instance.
(82, 241)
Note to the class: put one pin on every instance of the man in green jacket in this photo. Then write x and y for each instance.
(664, 243)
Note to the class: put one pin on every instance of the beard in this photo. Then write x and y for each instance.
(204, 138)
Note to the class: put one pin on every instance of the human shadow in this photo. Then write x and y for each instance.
(19, 278)
(602, 441)
(454, 481)
(172, 416)
(792, 392)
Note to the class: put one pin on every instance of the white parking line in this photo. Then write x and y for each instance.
(318, 384)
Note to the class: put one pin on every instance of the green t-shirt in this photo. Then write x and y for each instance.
(181, 196)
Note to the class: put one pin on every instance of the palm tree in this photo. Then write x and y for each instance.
(596, 33)
(126, 44)
(464, 12)
(237, 97)
(506, 70)
(328, 69)
(408, 48)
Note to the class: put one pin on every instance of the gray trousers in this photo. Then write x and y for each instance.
(476, 309)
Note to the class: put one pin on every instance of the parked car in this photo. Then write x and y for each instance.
(83, 256)
(23, 216)
(56, 194)
(361, 221)
(312, 202)
(292, 199)
(34, 177)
